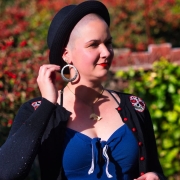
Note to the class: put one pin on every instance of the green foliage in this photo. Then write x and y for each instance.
(160, 89)
(23, 49)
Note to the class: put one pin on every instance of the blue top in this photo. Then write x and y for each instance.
(87, 158)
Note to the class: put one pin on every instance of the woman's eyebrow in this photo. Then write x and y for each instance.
(92, 40)
(96, 40)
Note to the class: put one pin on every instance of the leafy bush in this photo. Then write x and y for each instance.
(136, 24)
(160, 89)
(20, 58)
(23, 50)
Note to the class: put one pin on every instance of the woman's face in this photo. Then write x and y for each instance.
(90, 48)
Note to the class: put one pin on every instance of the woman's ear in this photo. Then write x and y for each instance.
(65, 55)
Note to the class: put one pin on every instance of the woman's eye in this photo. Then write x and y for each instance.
(94, 45)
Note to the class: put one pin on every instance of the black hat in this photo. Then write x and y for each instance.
(64, 22)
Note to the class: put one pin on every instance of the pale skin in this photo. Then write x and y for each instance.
(90, 50)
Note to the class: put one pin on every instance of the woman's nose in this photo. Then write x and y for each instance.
(106, 51)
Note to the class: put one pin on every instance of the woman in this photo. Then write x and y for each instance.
(83, 131)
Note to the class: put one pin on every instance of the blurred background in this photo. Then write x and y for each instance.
(146, 40)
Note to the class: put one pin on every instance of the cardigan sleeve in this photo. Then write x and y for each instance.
(20, 149)
(153, 163)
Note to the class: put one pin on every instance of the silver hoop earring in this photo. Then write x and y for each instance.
(66, 79)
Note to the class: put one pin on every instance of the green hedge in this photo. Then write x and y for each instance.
(23, 49)
(160, 89)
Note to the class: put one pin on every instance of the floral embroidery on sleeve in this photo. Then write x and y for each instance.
(138, 103)
(36, 104)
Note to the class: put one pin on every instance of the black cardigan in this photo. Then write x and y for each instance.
(39, 128)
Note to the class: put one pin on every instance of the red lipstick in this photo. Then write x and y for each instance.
(105, 65)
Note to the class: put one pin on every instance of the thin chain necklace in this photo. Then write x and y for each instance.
(92, 115)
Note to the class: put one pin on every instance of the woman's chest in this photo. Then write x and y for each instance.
(110, 121)
(88, 156)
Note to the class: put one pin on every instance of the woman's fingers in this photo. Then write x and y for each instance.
(46, 82)
(148, 176)
(46, 70)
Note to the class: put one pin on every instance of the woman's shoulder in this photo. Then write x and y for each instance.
(123, 94)
(32, 104)
(120, 94)
(131, 100)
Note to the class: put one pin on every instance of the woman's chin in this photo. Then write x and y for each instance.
(103, 76)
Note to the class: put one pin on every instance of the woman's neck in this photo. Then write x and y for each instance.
(88, 93)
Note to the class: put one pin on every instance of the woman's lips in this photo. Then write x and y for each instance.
(105, 65)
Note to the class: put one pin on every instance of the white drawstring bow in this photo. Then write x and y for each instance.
(105, 148)
(107, 160)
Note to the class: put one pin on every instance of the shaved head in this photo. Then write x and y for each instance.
(76, 32)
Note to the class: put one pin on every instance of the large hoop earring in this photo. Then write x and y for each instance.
(66, 79)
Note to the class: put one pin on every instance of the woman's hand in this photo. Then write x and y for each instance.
(148, 176)
(46, 82)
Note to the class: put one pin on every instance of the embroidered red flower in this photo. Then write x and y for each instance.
(138, 103)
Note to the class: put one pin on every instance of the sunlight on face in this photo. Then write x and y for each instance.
(77, 31)
(90, 45)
